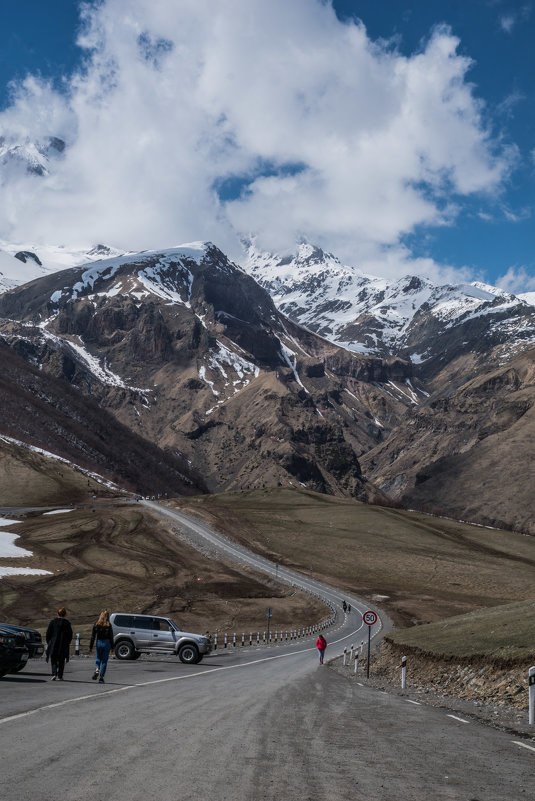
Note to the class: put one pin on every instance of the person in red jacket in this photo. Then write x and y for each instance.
(321, 645)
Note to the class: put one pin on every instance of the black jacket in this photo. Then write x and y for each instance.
(58, 639)
(101, 633)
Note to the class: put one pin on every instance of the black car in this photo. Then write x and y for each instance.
(33, 641)
(13, 651)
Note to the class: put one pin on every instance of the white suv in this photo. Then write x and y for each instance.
(134, 635)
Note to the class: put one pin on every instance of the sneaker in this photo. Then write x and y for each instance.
(101, 680)
(95, 675)
(60, 678)
(54, 677)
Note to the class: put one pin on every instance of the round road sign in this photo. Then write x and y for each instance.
(369, 618)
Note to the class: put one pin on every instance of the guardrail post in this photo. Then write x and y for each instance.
(532, 696)
(403, 672)
(77, 646)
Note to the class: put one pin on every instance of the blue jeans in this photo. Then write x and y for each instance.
(103, 654)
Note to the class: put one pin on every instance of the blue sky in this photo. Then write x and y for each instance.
(478, 225)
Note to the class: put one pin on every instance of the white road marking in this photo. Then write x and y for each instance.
(523, 745)
(462, 720)
(413, 702)
(155, 681)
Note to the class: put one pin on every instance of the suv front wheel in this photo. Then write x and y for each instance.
(189, 654)
(125, 650)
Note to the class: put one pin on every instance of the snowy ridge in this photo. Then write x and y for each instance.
(368, 314)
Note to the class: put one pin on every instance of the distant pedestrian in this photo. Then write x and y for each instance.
(321, 645)
(349, 607)
(103, 634)
(58, 640)
(344, 606)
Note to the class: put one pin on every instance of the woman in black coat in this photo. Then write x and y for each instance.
(58, 640)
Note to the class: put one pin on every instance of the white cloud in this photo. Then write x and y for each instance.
(339, 139)
(516, 280)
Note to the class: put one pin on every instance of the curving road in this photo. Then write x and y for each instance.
(247, 723)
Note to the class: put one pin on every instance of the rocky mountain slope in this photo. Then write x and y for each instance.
(48, 430)
(410, 317)
(187, 350)
(429, 402)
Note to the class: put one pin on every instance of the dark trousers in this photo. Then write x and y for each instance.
(58, 666)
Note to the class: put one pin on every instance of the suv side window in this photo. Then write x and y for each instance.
(142, 623)
(124, 621)
(156, 624)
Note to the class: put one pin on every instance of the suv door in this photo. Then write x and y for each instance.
(143, 633)
(163, 638)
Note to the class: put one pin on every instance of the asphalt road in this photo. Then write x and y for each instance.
(246, 724)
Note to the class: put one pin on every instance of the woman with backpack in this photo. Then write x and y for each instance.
(103, 634)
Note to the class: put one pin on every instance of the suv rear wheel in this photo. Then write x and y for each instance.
(125, 650)
(189, 654)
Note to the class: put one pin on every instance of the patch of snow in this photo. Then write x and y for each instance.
(8, 549)
(58, 512)
(23, 571)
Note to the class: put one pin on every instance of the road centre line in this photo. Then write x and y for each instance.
(524, 745)
(462, 720)
(158, 681)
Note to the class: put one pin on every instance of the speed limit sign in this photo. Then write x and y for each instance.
(369, 618)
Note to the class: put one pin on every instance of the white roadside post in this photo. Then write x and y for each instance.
(226, 639)
(351, 651)
(215, 642)
(356, 661)
(234, 640)
(77, 646)
(532, 696)
(345, 657)
(403, 672)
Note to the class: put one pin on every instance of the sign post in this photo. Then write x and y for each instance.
(531, 695)
(370, 618)
(269, 615)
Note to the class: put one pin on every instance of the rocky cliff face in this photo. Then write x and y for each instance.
(188, 351)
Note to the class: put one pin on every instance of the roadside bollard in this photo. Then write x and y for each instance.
(356, 661)
(250, 638)
(351, 654)
(242, 639)
(345, 657)
(403, 672)
(215, 642)
(226, 639)
(77, 646)
(258, 638)
(532, 696)
(264, 638)
(234, 640)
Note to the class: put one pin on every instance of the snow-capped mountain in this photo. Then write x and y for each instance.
(405, 317)
(29, 156)
(21, 263)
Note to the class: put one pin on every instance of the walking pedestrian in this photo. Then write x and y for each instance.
(103, 634)
(58, 640)
(321, 645)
